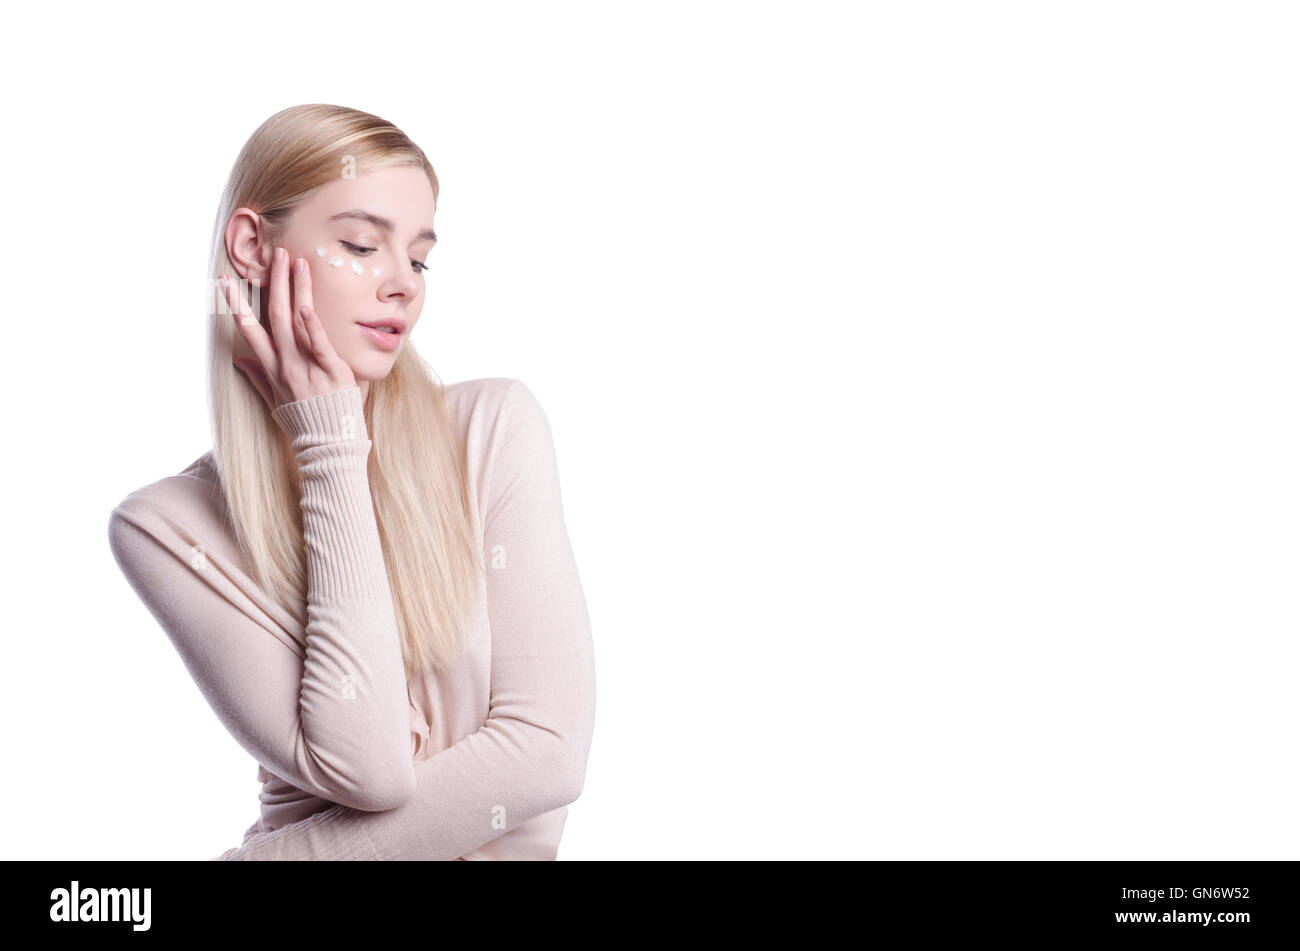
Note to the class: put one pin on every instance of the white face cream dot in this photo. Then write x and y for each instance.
(356, 267)
(320, 252)
(374, 271)
(336, 262)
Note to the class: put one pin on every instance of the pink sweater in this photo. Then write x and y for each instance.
(476, 762)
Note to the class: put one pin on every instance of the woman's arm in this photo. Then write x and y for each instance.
(333, 717)
(530, 755)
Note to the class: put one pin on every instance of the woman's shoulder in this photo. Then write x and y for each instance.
(486, 393)
(488, 404)
(504, 427)
(188, 500)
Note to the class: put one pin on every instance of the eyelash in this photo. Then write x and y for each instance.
(357, 249)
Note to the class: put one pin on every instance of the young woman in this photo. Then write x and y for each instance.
(369, 575)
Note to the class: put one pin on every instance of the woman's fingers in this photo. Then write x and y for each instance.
(255, 376)
(296, 358)
(316, 350)
(246, 321)
(323, 350)
(286, 342)
(301, 298)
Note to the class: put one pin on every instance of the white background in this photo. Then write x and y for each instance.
(922, 377)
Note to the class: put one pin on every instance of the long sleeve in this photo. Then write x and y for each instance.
(530, 755)
(330, 716)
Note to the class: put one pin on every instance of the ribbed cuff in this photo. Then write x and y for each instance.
(309, 839)
(324, 418)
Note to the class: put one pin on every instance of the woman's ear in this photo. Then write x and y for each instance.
(246, 246)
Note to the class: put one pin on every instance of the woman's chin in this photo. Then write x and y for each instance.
(372, 366)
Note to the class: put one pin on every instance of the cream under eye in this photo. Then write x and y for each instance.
(416, 266)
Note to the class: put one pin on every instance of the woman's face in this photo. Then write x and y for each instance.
(365, 240)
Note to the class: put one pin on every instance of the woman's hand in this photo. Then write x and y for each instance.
(296, 360)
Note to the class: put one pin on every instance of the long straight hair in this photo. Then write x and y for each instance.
(417, 470)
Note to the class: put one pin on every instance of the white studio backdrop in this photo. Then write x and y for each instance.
(922, 378)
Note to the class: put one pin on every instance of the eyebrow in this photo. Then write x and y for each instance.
(381, 222)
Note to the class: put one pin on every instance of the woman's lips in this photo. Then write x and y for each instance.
(382, 338)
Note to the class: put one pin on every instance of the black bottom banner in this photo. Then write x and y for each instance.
(1228, 902)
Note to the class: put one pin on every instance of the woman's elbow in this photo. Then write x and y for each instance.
(569, 772)
(570, 786)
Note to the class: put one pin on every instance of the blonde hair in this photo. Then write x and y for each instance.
(417, 470)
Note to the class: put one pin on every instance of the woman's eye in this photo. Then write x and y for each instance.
(417, 266)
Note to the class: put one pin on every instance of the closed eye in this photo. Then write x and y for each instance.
(357, 249)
